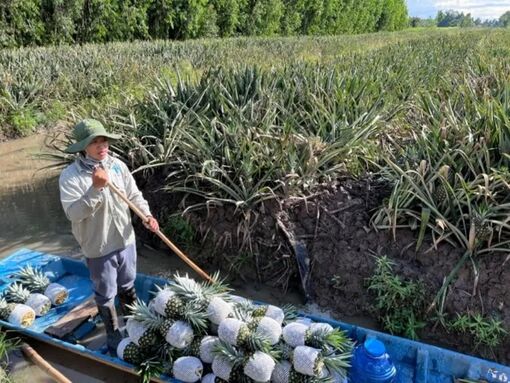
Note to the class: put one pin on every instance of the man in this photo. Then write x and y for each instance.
(101, 221)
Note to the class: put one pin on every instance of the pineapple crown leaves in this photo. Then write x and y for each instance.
(337, 362)
(243, 311)
(189, 289)
(142, 313)
(336, 339)
(150, 368)
(196, 317)
(16, 293)
(166, 353)
(230, 353)
(29, 273)
(257, 342)
(290, 313)
(3, 303)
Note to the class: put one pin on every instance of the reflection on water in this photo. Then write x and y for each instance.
(31, 216)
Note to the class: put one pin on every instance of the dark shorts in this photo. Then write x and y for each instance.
(112, 274)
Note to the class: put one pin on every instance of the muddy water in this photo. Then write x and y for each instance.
(31, 216)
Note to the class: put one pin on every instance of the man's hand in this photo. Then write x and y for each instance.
(151, 223)
(99, 178)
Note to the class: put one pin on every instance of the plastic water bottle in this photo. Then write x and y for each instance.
(372, 364)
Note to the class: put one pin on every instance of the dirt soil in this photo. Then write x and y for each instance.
(334, 227)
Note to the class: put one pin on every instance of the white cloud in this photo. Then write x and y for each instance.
(478, 8)
(484, 9)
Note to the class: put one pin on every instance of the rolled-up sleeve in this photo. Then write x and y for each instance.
(77, 203)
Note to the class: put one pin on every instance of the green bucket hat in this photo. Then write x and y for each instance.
(85, 131)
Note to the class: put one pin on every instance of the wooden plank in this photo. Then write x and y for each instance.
(69, 322)
(97, 358)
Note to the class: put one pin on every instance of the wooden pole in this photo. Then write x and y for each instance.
(163, 237)
(45, 366)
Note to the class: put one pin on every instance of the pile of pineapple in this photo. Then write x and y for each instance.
(199, 332)
(30, 295)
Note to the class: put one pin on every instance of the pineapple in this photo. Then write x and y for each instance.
(440, 193)
(318, 335)
(270, 311)
(284, 373)
(207, 345)
(188, 369)
(259, 366)
(479, 219)
(193, 349)
(209, 295)
(35, 281)
(167, 303)
(16, 293)
(266, 327)
(16, 314)
(233, 365)
(244, 308)
(313, 362)
(129, 351)
(142, 325)
(211, 378)
(234, 331)
(178, 334)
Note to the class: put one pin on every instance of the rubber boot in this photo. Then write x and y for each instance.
(127, 298)
(111, 325)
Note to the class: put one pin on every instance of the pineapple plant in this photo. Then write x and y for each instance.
(313, 362)
(129, 351)
(16, 314)
(188, 369)
(318, 335)
(16, 293)
(35, 281)
(234, 365)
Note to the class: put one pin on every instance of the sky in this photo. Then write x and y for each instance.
(483, 9)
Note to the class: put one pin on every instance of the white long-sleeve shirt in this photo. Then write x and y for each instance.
(100, 220)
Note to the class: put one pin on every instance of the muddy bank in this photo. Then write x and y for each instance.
(334, 227)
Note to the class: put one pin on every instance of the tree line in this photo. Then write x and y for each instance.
(460, 19)
(45, 22)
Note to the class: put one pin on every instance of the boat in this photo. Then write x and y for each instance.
(66, 325)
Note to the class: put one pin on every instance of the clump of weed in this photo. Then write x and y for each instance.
(486, 331)
(399, 304)
(179, 230)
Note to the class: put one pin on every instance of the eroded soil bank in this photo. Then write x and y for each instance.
(334, 227)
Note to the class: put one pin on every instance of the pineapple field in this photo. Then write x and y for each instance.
(369, 171)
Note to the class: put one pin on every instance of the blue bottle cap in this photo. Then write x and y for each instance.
(374, 347)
